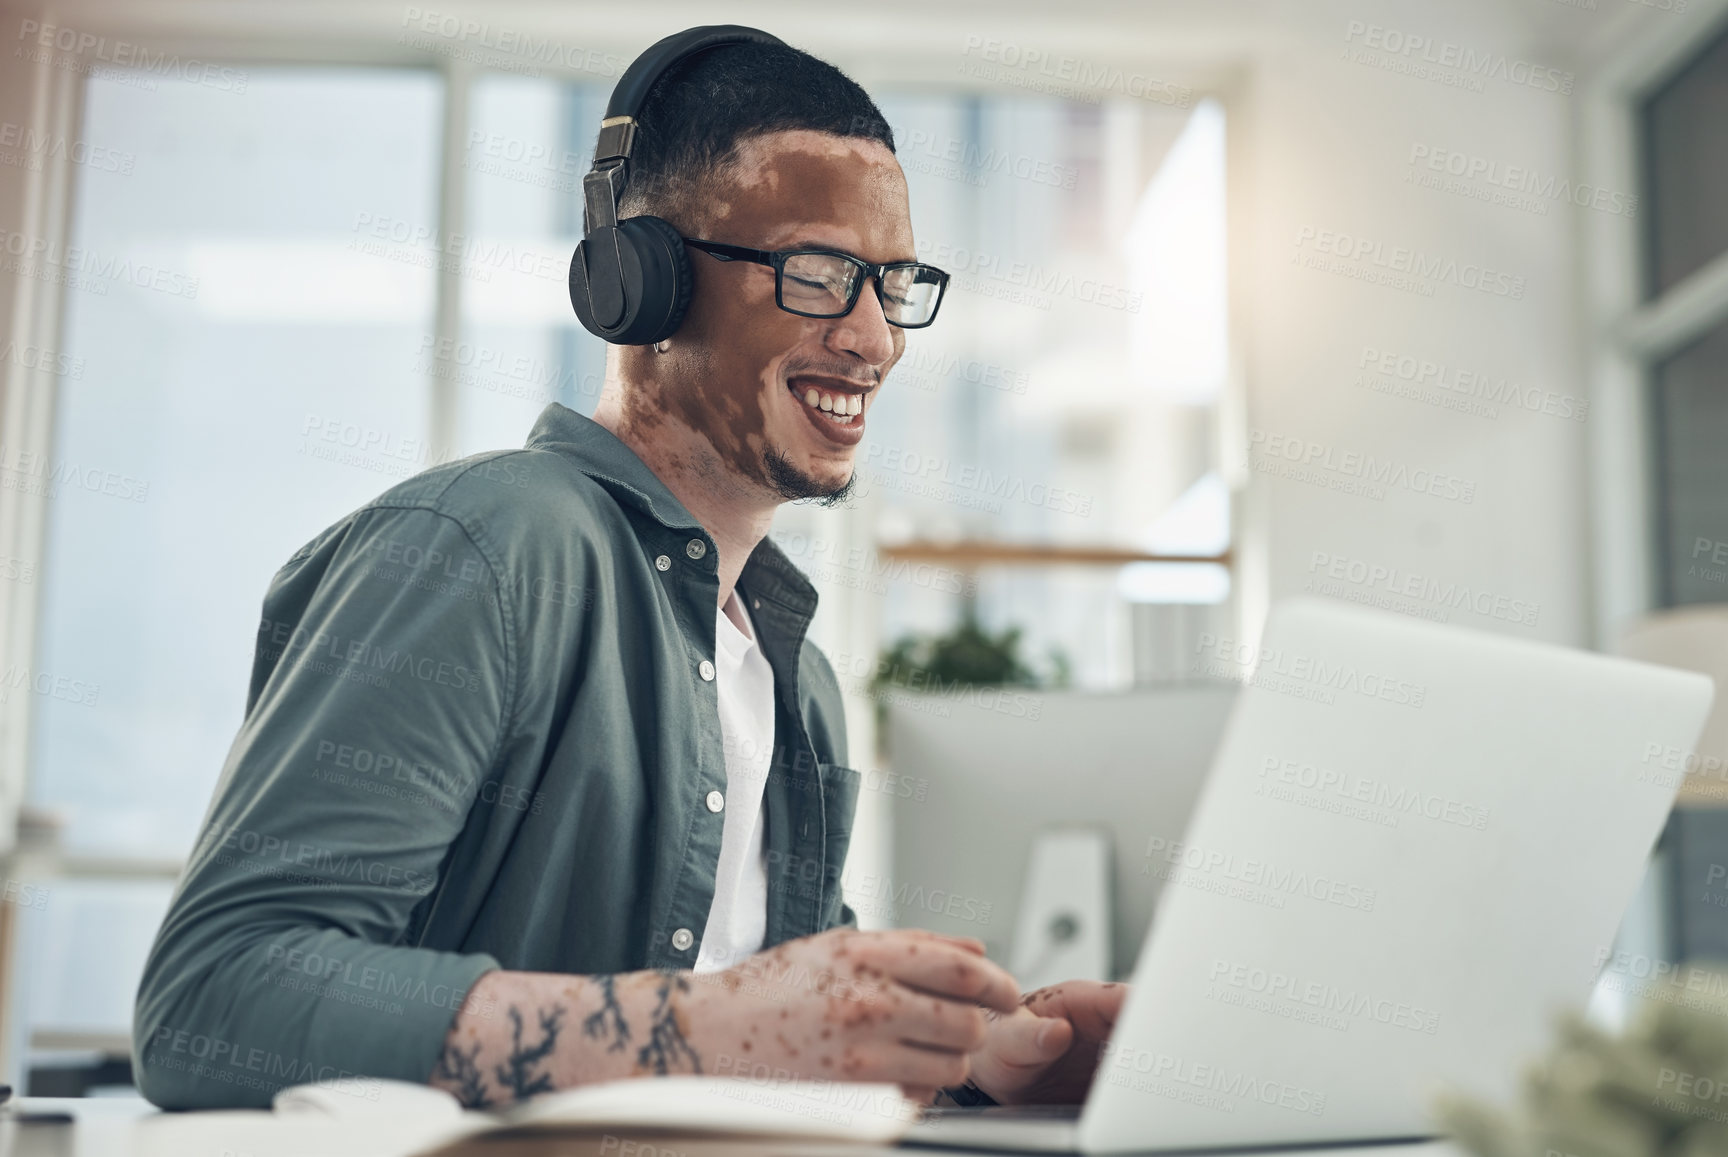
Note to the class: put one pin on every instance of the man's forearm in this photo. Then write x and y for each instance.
(903, 1007)
(522, 1033)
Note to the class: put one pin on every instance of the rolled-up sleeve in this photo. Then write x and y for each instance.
(385, 670)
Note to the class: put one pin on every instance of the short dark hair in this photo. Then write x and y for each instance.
(693, 120)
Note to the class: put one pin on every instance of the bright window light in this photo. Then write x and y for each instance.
(1196, 523)
(1176, 253)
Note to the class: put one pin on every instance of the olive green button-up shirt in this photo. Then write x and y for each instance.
(481, 732)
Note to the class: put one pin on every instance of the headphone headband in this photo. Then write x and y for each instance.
(604, 184)
(633, 86)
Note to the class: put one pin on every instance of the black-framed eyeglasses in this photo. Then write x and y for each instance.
(826, 282)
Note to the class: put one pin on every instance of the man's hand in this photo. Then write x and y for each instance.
(1044, 1053)
(905, 1006)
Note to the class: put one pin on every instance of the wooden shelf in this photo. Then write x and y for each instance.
(978, 552)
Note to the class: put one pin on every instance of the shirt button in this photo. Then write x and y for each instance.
(662, 563)
(682, 939)
(706, 670)
(715, 801)
(755, 604)
(695, 548)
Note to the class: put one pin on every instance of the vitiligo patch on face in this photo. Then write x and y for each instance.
(728, 367)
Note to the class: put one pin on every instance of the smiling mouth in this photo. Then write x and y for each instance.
(841, 406)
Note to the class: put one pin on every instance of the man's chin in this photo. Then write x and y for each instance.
(794, 485)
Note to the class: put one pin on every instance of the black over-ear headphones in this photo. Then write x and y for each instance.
(630, 279)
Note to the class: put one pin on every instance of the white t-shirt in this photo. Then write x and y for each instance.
(738, 921)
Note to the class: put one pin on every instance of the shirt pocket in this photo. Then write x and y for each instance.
(839, 802)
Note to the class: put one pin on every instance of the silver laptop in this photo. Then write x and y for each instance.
(1410, 848)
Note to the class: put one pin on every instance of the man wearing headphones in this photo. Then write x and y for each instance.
(540, 782)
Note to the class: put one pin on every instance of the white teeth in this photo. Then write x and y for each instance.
(841, 408)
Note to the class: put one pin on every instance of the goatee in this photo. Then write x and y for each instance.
(795, 486)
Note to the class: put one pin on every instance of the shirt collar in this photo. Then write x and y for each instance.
(601, 455)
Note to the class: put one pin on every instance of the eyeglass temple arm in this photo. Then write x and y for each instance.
(731, 252)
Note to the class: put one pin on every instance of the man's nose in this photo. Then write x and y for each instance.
(865, 331)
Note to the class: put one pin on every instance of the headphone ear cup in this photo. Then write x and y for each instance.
(665, 283)
(644, 293)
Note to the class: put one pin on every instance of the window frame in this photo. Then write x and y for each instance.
(1630, 334)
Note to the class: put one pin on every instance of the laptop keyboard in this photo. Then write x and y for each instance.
(1006, 1113)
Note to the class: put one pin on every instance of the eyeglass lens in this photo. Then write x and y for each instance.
(821, 285)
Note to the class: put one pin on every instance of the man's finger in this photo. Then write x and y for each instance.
(1092, 1006)
(1025, 1039)
(936, 1022)
(915, 1066)
(942, 970)
(969, 943)
(922, 1094)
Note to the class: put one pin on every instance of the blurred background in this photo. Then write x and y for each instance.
(1419, 306)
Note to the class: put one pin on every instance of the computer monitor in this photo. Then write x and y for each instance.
(993, 768)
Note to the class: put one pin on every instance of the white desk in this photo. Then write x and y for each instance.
(130, 1127)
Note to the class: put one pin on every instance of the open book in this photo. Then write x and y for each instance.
(382, 1118)
(731, 1106)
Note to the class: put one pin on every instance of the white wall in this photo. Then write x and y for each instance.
(1329, 142)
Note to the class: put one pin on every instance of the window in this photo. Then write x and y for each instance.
(529, 143)
(1685, 129)
(242, 342)
(1068, 395)
(261, 384)
(1669, 346)
(1690, 405)
(1685, 158)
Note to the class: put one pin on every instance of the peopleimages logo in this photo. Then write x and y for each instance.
(236, 1063)
(43, 359)
(510, 42)
(888, 464)
(85, 51)
(84, 268)
(921, 365)
(1317, 671)
(35, 473)
(1340, 576)
(279, 638)
(1516, 186)
(1457, 386)
(972, 157)
(1283, 987)
(1464, 62)
(271, 854)
(1060, 75)
(19, 677)
(1399, 799)
(59, 146)
(1349, 471)
(1215, 1079)
(1398, 266)
(1277, 879)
